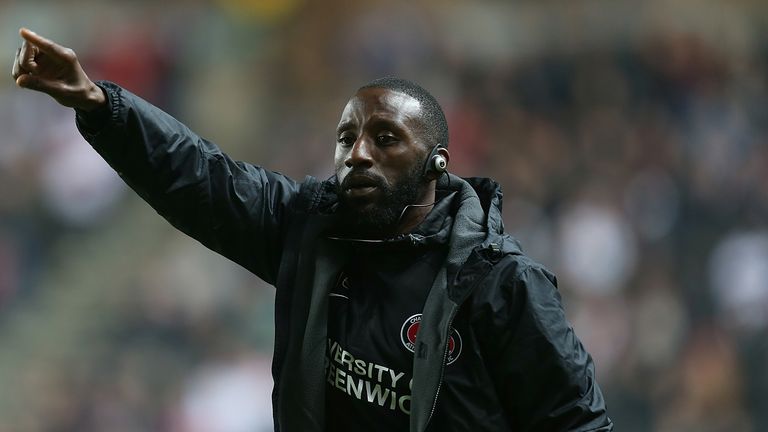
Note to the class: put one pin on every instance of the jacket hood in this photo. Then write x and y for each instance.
(486, 193)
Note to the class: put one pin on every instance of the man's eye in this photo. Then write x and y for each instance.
(346, 140)
(385, 139)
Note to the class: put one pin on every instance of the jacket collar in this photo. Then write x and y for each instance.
(487, 191)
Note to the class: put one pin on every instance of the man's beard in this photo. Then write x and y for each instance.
(381, 218)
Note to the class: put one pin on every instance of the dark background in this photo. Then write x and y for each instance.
(631, 140)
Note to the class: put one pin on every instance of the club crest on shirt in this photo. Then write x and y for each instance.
(411, 327)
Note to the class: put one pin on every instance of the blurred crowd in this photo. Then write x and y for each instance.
(631, 141)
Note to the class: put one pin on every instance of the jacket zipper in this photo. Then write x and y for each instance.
(442, 367)
(414, 239)
(495, 258)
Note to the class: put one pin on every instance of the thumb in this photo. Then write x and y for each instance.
(27, 81)
(35, 82)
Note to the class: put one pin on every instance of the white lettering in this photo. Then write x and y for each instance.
(346, 358)
(359, 367)
(337, 354)
(339, 361)
(395, 376)
(401, 404)
(340, 378)
(376, 393)
(351, 388)
(381, 370)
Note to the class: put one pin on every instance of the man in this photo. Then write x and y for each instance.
(401, 304)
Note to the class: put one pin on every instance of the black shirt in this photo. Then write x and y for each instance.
(373, 310)
(373, 316)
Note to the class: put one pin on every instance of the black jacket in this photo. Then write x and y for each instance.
(276, 228)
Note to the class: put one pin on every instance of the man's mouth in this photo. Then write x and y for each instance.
(359, 186)
(360, 191)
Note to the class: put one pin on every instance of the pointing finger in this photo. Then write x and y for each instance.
(27, 57)
(45, 45)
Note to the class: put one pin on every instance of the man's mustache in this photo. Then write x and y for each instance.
(357, 178)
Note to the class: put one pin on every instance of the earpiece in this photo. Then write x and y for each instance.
(439, 164)
(435, 163)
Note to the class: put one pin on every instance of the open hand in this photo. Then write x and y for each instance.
(45, 66)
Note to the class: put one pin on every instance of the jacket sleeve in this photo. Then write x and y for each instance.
(544, 377)
(233, 208)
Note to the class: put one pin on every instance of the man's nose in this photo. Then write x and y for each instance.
(360, 155)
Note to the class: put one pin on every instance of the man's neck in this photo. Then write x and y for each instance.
(413, 214)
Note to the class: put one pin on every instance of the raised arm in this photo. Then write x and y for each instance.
(234, 208)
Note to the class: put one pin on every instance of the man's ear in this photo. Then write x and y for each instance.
(437, 162)
(442, 151)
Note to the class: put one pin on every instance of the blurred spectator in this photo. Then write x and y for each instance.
(228, 396)
(739, 278)
(630, 140)
(78, 187)
(707, 392)
(597, 248)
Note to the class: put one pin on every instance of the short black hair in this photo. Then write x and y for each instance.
(436, 127)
